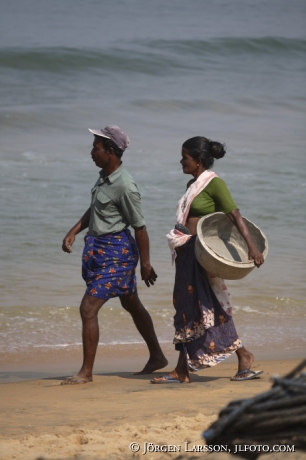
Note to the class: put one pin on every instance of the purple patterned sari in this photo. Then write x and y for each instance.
(203, 329)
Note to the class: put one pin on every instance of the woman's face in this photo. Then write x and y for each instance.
(189, 165)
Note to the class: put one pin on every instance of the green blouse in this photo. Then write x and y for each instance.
(215, 197)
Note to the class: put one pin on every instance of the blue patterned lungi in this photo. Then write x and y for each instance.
(109, 263)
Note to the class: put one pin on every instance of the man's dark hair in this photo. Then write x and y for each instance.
(109, 144)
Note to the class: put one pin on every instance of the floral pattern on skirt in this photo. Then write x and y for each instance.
(108, 264)
(204, 327)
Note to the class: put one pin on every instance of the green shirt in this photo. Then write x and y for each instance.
(215, 197)
(115, 204)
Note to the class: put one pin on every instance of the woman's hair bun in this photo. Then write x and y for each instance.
(204, 150)
(217, 149)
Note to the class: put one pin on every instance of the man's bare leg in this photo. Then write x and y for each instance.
(144, 325)
(89, 309)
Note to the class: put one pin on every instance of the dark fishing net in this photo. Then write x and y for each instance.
(274, 418)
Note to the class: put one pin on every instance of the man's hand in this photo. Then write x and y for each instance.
(68, 242)
(148, 275)
(77, 228)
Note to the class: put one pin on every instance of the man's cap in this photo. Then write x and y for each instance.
(114, 133)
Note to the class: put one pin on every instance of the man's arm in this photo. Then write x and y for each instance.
(148, 274)
(77, 228)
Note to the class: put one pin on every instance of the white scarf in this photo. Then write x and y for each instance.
(175, 237)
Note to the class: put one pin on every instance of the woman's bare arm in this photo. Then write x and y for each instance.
(254, 253)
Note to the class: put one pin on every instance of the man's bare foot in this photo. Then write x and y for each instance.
(173, 377)
(77, 380)
(153, 365)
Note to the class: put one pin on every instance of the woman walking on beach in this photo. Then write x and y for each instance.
(205, 333)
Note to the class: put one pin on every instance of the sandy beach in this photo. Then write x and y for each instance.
(164, 72)
(40, 419)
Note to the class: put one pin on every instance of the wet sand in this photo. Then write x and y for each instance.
(40, 419)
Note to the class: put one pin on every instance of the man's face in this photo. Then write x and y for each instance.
(99, 155)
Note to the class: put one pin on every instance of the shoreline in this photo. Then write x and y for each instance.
(99, 420)
(38, 364)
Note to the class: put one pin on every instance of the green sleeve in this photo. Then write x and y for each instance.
(220, 193)
(215, 197)
(130, 205)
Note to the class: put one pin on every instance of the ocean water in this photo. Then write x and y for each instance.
(164, 72)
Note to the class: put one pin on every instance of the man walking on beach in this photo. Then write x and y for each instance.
(111, 253)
